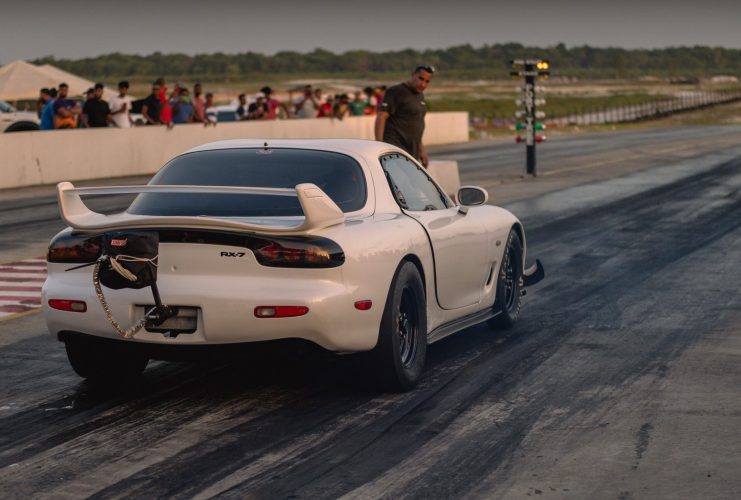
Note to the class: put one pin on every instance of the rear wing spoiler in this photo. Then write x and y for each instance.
(319, 209)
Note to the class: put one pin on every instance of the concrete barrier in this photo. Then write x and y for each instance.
(34, 158)
(446, 174)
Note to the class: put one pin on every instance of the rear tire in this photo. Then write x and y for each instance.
(509, 285)
(100, 361)
(399, 356)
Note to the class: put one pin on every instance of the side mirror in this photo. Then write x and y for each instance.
(471, 196)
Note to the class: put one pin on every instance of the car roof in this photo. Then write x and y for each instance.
(364, 148)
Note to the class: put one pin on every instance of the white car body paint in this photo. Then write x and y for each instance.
(11, 118)
(459, 255)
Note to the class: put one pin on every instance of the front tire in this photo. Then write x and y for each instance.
(509, 285)
(102, 362)
(399, 356)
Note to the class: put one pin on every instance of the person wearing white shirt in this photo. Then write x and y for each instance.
(307, 105)
(121, 106)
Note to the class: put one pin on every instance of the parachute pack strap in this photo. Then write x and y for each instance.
(126, 333)
(116, 265)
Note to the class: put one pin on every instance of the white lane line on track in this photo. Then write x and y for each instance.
(9, 283)
(20, 286)
(34, 282)
(19, 292)
(22, 270)
(27, 276)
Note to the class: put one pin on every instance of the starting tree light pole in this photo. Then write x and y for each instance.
(530, 69)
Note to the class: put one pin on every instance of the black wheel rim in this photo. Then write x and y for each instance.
(407, 327)
(509, 272)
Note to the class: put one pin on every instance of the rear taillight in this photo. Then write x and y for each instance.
(71, 248)
(68, 305)
(363, 305)
(280, 311)
(297, 252)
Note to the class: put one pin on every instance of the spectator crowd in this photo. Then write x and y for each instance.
(57, 110)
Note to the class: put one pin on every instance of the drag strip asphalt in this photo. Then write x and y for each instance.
(621, 379)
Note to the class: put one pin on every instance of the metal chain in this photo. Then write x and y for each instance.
(125, 333)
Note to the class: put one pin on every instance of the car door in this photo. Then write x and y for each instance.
(459, 242)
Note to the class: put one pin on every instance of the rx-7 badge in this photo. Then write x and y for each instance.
(232, 254)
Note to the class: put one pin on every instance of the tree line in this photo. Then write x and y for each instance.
(463, 61)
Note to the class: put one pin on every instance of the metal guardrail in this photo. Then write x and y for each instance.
(687, 101)
(649, 110)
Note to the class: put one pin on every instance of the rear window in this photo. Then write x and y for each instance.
(336, 174)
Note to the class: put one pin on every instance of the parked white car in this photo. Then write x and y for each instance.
(348, 244)
(12, 120)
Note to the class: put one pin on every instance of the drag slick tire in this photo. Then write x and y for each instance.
(399, 356)
(102, 361)
(509, 285)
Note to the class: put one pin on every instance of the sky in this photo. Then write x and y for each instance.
(82, 28)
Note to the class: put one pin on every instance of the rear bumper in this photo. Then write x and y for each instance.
(202, 352)
(226, 311)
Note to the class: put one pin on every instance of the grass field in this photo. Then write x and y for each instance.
(484, 97)
(556, 106)
(492, 99)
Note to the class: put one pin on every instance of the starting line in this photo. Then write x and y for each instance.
(20, 286)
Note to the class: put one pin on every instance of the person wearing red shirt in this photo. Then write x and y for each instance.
(165, 108)
(273, 105)
(326, 109)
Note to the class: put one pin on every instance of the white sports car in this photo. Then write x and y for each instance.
(348, 244)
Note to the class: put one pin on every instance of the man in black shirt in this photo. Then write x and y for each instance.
(151, 106)
(401, 118)
(258, 110)
(95, 111)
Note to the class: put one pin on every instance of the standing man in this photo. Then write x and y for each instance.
(212, 114)
(151, 106)
(401, 119)
(199, 106)
(66, 111)
(182, 108)
(165, 110)
(241, 113)
(46, 111)
(358, 105)
(121, 106)
(307, 106)
(273, 105)
(96, 112)
(41, 101)
(326, 108)
(258, 110)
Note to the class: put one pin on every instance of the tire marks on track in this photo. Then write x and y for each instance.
(621, 276)
(600, 323)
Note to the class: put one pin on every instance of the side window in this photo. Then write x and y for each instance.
(411, 186)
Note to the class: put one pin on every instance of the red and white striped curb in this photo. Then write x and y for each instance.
(20, 285)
